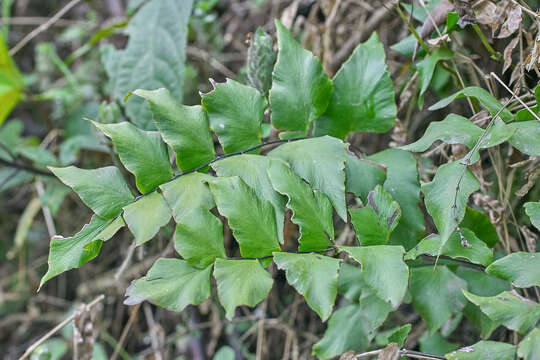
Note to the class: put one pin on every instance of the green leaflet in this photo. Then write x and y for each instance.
(374, 223)
(300, 88)
(314, 159)
(485, 98)
(454, 129)
(237, 123)
(172, 284)
(143, 153)
(477, 253)
(254, 287)
(480, 283)
(444, 290)
(252, 169)
(527, 137)
(314, 276)
(352, 328)
(491, 350)
(186, 193)
(529, 347)
(11, 82)
(225, 353)
(199, 237)
(251, 218)
(184, 128)
(260, 61)
(532, 209)
(383, 269)
(363, 98)
(72, 252)
(110, 230)
(509, 308)
(103, 190)
(435, 344)
(312, 211)
(398, 335)
(146, 62)
(480, 224)
(426, 67)
(146, 216)
(446, 196)
(520, 268)
(402, 183)
(362, 176)
(524, 114)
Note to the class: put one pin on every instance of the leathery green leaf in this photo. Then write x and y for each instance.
(446, 197)
(486, 99)
(383, 269)
(143, 153)
(520, 268)
(72, 252)
(375, 222)
(529, 347)
(314, 276)
(186, 193)
(236, 123)
(436, 294)
(146, 216)
(241, 282)
(251, 218)
(103, 190)
(172, 284)
(482, 227)
(527, 137)
(532, 209)
(491, 350)
(454, 129)
(363, 98)
(313, 159)
(426, 67)
(402, 183)
(199, 237)
(253, 170)
(184, 128)
(361, 176)
(509, 308)
(312, 211)
(471, 248)
(300, 90)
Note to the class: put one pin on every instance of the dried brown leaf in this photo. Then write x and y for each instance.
(507, 55)
(513, 19)
(83, 332)
(486, 12)
(530, 238)
(532, 59)
(390, 352)
(465, 12)
(349, 355)
(500, 16)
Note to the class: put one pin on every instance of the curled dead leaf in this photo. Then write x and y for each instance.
(507, 55)
(513, 19)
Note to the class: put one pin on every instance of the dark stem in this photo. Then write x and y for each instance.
(25, 167)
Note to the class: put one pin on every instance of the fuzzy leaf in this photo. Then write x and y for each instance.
(454, 129)
(254, 286)
(146, 62)
(383, 269)
(436, 294)
(199, 237)
(313, 159)
(143, 153)
(312, 211)
(509, 308)
(237, 123)
(184, 128)
(314, 276)
(103, 190)
(251, 218)
(363, 98)
(520, 268)
(300, 88)
(146, 216)
(252, 169)
(172, 284)
(446, 197)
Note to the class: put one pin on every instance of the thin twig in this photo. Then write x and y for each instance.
(57, 328)
(120, 343)
(514, 95)
(43, 27)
